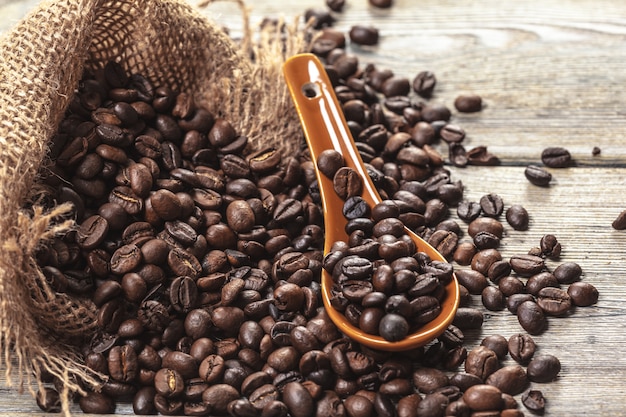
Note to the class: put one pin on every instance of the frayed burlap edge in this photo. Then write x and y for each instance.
(269, 119)
(41, 62)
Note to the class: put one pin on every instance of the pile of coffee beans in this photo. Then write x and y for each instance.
(204, 261)
(382, 284)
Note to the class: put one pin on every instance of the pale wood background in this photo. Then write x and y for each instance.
(552, 73)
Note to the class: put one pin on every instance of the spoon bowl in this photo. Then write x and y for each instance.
(325, 128)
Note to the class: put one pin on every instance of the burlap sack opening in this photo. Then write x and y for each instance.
(41, 62)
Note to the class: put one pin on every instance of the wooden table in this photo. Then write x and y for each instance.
(552, 73)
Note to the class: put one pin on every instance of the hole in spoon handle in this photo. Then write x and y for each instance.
(322, 117)
(311, 90)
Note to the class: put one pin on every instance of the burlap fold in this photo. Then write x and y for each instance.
(41, 62)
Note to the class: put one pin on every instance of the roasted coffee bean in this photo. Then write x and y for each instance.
(464, 380)
(452, 336)
(358, 406)
(382, 4)
(227, 319)
(620, 221)
(498, 270)
(511, 285)
(527, 265)
(364, 35)
(185, 364)
(486, 240)
(298, 400)
(491, 205)
(567, 272)
(424, 309)
(486, 224)
(468, 210)
(484, 259)
(127, 199)
(395, 86)
(452, 133)
(582, 294)
(534, 401)
(481, 362)
(412, 155)
(168, 406)
(335, 5)
(492, 298)
(468, 318)
(92, 232)
(183, 294)
(432, 405)
(143, 401)
(515, 300)
(264, 395)
(97, 403)
(122, 363)
(457, 408)
(554, 301)
(393, 327)
(517, 217)
(483, 398)
(457, 155)
(550, 246)
(183, 263)
(48, 400)
(480, 156)
(444, 242)
(329, 162)
(424, 83)
(474, 281)
(355, 207)
(347, 183)
(556, 157)
(435, 211)
(497, 343)
(531, 317)
(383, 405)
(428, 380)
(218, 396)
(464, 253)
(288, 297)
(125, 259)
(543, 368)
(537, 175)
(510, 379)
(540, 281)
(468, 103)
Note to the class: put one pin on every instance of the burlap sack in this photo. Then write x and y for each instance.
(41, 62)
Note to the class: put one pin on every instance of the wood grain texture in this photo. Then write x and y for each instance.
(551, 73)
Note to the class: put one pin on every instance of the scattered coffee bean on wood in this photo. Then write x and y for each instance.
(534, 401)
(364, 35)
(336, 5)
(382, 4)
(517, 217)
(468, 103)
(620, 221)
(556, 157)
(424, 83)
(537, 175)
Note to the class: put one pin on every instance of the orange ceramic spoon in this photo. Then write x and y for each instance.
(325, 128)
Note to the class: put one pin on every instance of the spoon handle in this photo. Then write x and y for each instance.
(325, 128)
